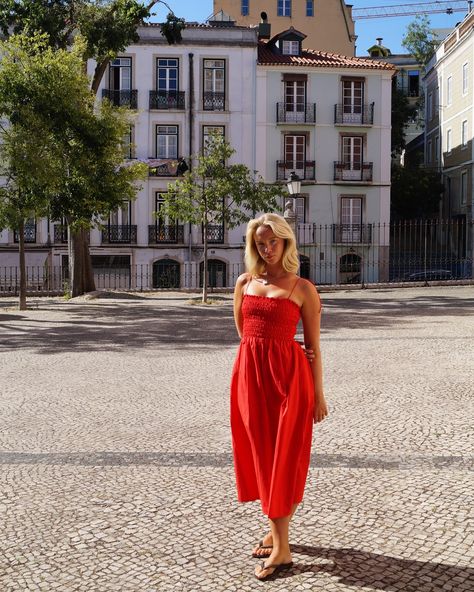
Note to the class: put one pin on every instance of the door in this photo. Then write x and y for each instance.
(295, 148)
(352, 158)
(295, 100)
(351, 219)
(352, 100)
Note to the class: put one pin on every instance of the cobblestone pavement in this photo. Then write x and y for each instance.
(116, 458)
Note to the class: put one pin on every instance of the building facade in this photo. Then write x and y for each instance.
(327, 24)
(449, 146)
(283, 109)
(328, 118)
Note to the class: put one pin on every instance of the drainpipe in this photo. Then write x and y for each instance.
(190, 135)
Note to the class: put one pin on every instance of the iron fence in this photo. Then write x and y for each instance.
(423, 251)
(296, 112)
(166, 99)
(352, 114)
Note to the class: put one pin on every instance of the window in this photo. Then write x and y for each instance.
(352, 101)
(351, 219)
(207, 131)
(120, 74)
(290, 47)
(167, 75)
(122, 216)
(464, 79)
(464, 187)
(413, 83)
(449, 90)
(448, 140)
(429, 148)
(284, 8)
(295, 96)
(164, 224)
(464, 133)
(430, 106)
(214, 85)
(309, 7)
(244, 8)
(352, 152)
(166, 141)
(127, 144)
(295, 154)
(437, 149)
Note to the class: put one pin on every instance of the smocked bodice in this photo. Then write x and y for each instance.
(272, 318)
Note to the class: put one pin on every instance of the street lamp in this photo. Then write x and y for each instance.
(294, 189)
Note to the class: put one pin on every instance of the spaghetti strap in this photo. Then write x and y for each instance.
(247, 285)
(294, 286)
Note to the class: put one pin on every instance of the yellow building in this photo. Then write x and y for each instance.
(328, 24)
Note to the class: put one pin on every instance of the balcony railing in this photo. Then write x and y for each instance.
(165, 234)
(361, 172)
(306, 170)
(166, 99)
(119, 233)
(215, 233)
(213, 101)
(60, 233)
(29, 234)
(352, 233)
(121, 98)
(299, 113)
(354, 115)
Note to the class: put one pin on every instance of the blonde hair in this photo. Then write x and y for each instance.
(254, 263)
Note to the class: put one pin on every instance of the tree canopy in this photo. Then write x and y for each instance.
(420, 40)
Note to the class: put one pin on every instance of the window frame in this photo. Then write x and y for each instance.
(205, 135)
(449, 140)
(284, 8)
(309, 7)
(465, 79)
(244, 7)
(213, 69)
(167, 68)
(158, 125)
(463, 192)
(291, 45)
(449, 91)
(464, 130)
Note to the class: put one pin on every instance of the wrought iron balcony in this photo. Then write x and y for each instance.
(305, 170)
(29, 234)
(166, 99)
(215, 233)
(165, 234)
(121, 98)
(60, 233)
(296, 113)
(119, 233)
(213, 101)
(354, 115)
(360, 173)
(352, 233)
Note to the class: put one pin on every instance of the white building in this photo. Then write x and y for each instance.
(327, 117)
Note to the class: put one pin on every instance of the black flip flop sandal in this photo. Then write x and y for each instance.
(262, 546)
(276, 569)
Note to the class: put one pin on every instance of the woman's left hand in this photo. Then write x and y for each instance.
(320, 411)
(309, 353)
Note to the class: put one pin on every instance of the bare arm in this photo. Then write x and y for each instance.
(311, 317)
(238, 296)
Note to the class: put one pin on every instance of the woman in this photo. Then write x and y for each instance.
(276, 391)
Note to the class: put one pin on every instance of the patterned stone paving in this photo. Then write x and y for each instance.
(116, 469)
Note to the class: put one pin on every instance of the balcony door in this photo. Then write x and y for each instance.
(352, 147)
(351, 219)
(167, 76)
(295, 154)
(352, 100)
(166, 227)
(214, 85)
(122, 216)
(295, 100)
(166, 141)
(120, 74)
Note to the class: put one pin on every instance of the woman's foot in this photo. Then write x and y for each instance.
(275, 563)
(264, 547)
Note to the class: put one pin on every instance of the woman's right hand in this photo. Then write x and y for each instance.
(320, 410)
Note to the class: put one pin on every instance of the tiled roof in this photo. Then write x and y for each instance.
(320, 59)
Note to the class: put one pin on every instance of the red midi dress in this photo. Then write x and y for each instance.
(272, 400)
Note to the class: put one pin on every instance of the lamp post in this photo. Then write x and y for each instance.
(294, 189)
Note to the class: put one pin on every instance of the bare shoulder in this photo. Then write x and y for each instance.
(242, 280)
(308, 292)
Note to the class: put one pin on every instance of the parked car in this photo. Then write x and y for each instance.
(422, 276)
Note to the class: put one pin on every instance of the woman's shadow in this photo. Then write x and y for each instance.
(353, 567)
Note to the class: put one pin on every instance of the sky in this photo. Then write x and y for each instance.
(390, 29)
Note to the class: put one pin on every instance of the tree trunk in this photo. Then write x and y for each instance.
(21, 249)
(80, 265)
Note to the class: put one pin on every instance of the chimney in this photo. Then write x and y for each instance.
(379, 40)
(264, 28)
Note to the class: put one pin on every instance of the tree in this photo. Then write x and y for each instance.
(61, 156)
(217, 193)
(108, 27)
(420, 40)
(402, 113)
(415, 192)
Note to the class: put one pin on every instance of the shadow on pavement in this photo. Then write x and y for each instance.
(143, 324)
(356, 568)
